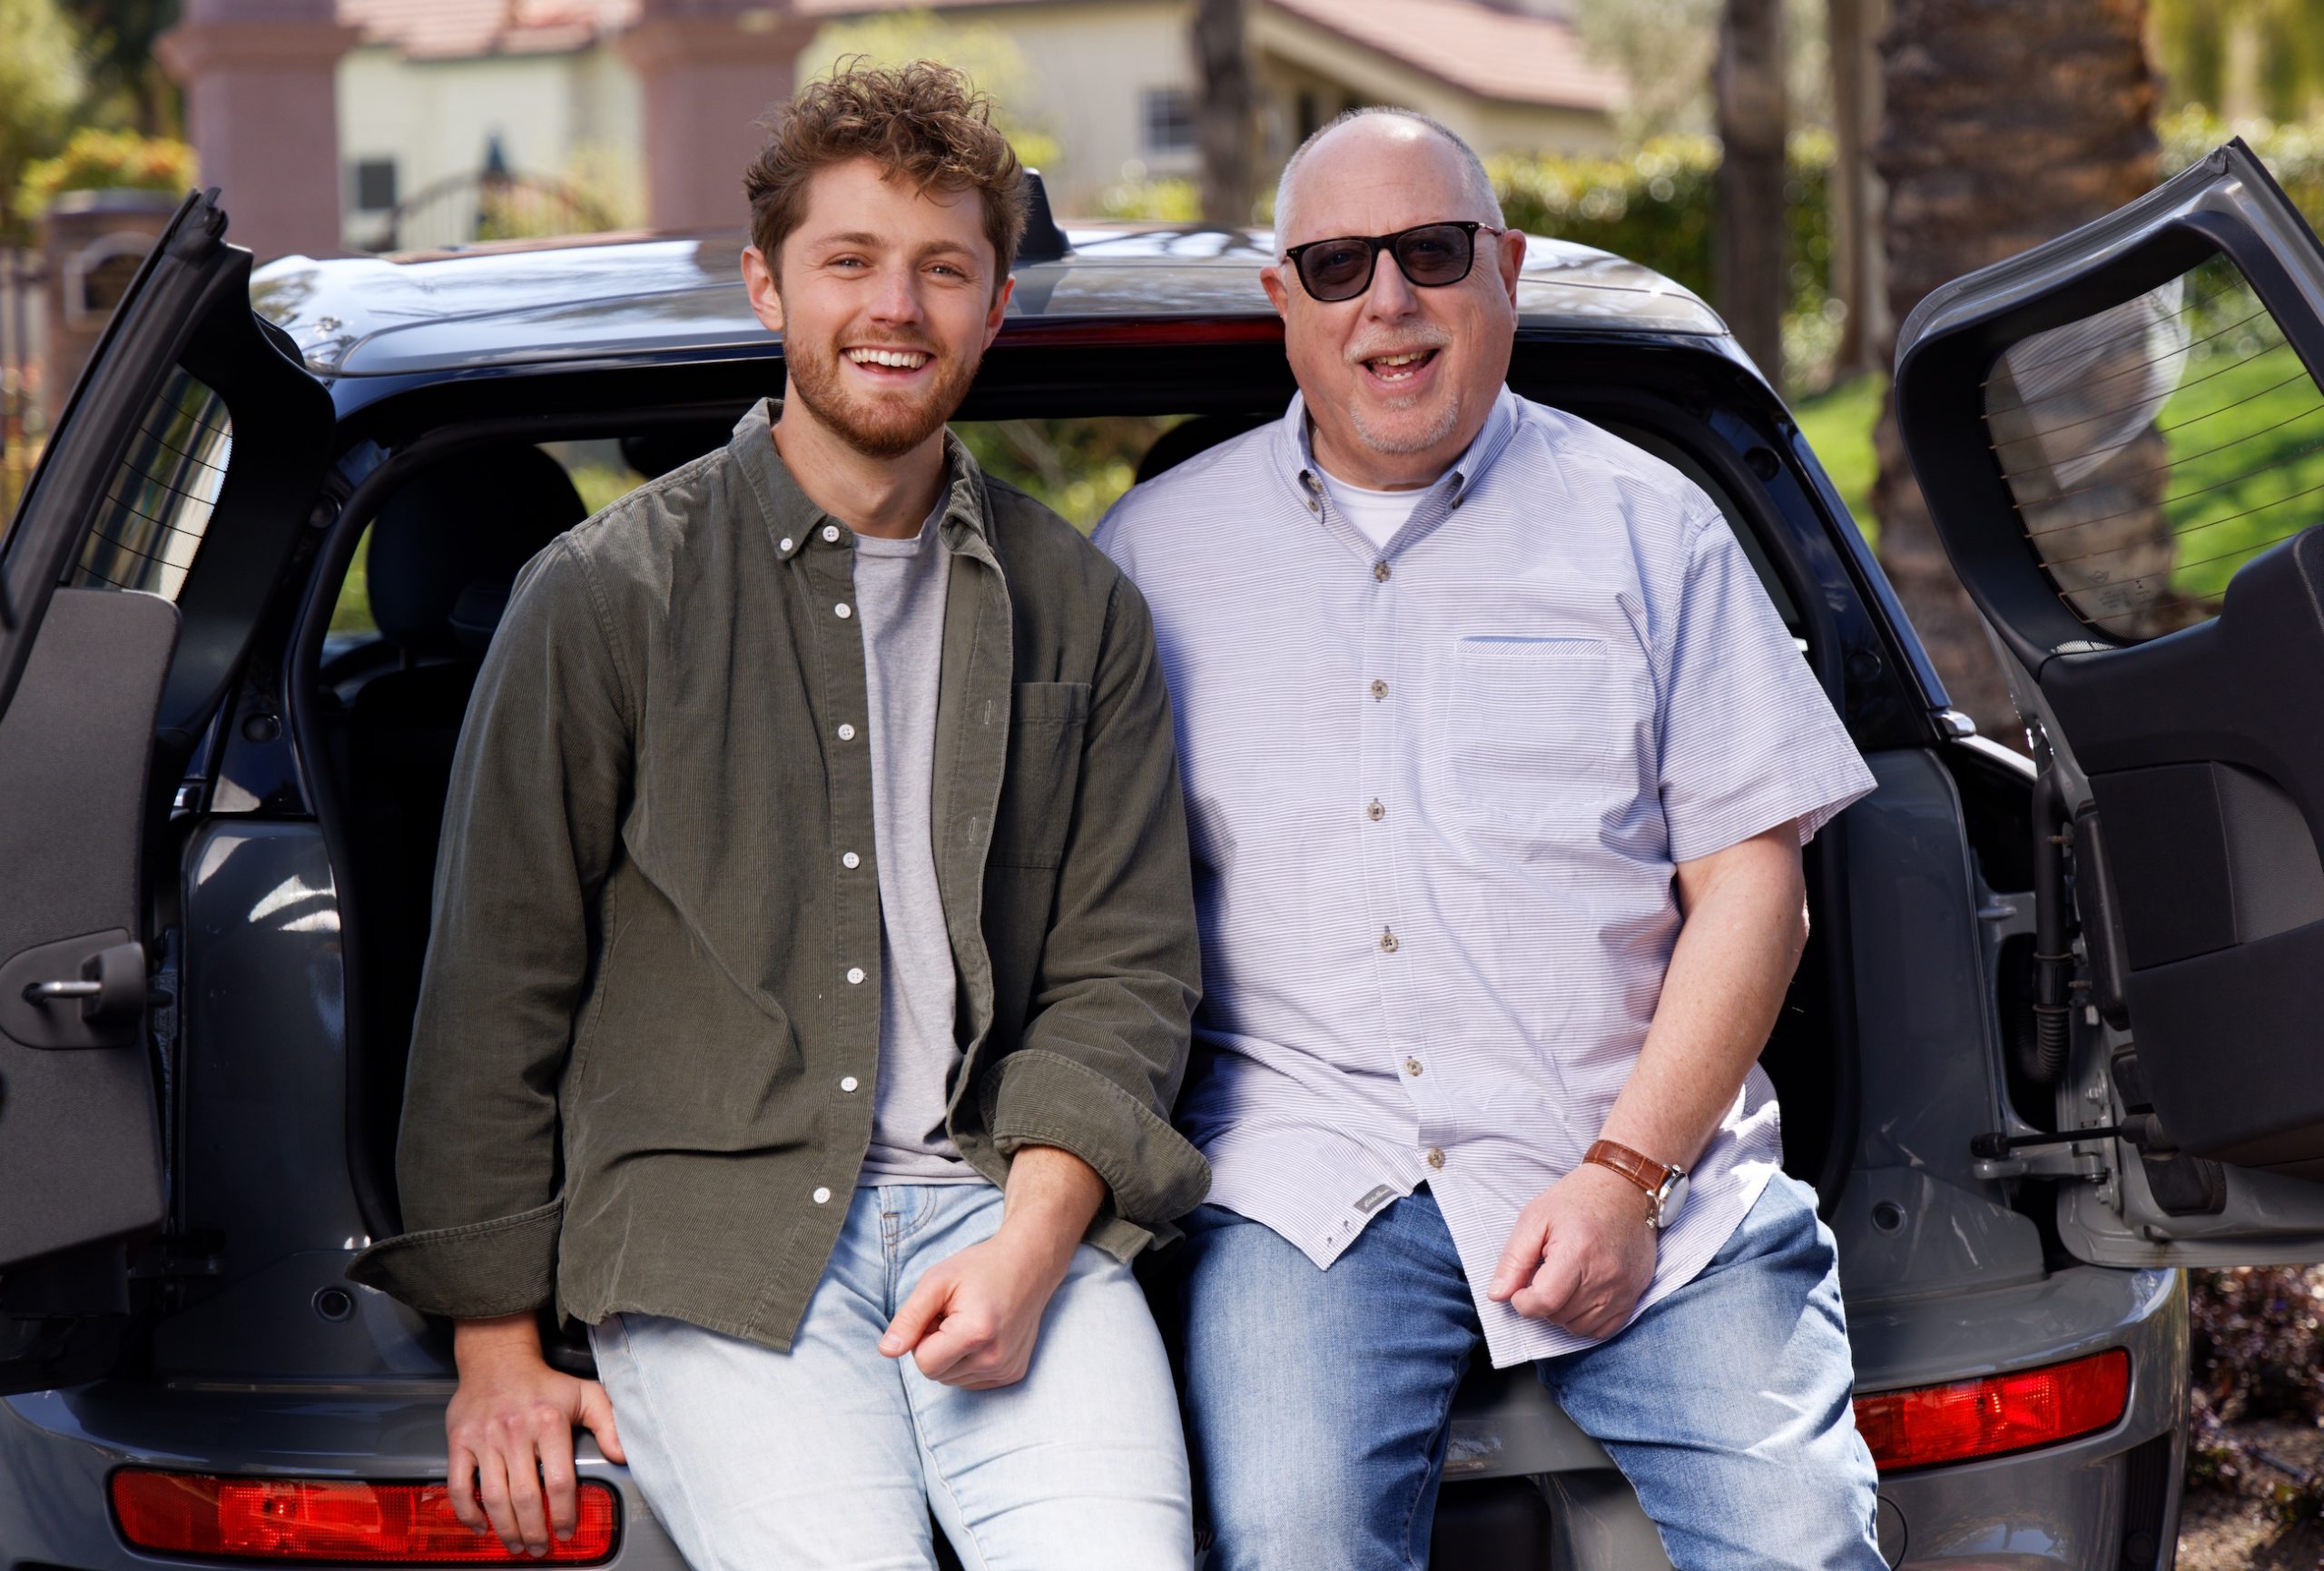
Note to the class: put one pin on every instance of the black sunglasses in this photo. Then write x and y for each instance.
(1431, 256)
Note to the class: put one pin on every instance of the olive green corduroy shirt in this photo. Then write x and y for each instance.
(639, 1076)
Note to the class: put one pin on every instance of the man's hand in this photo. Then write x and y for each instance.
(1582, 1254)
(510, 1428)
(972, 1320)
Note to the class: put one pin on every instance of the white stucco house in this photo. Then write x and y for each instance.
(433, 90)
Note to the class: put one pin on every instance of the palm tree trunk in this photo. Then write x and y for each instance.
(1751, 128)
(1223, 119)
(2006, 124)
(1850, 26)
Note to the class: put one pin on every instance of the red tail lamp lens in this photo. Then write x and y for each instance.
(1991, 1417)
(333, 1519)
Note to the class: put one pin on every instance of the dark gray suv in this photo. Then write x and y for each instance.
(2054, 1035)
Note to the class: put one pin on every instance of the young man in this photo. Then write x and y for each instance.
(1499, 763)
(813, 950)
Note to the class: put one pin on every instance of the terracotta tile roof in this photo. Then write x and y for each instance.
(461, 29)
(1493, 54)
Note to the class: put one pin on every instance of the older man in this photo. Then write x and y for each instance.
(1498, 763)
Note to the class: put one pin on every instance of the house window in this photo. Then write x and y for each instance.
(375, 184)
(1170, 120)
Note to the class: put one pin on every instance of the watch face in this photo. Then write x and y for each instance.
(1671, 1196)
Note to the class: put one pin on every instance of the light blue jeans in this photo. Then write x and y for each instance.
(832, 1456)
(1319, 1401)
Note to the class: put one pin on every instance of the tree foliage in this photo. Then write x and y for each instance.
(41, 84)
(2242, 57)
(126, 86)
(980, 51)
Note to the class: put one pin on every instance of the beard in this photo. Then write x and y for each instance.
(1410, 439)
(882, 425)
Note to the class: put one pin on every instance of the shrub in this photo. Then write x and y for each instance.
(1656, 205)
(1172, 200)
(2254, 1355)
(2293, 151)
(97, 159)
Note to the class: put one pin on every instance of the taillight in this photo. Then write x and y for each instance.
(333, 1519)
(1993, 1417)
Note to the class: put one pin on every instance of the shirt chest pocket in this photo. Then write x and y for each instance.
(1046, 722)
(1537, 731)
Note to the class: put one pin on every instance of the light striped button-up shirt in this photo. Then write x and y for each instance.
(1436, 791)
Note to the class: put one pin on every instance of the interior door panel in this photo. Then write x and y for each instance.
(2122, 437)
(80, 1153)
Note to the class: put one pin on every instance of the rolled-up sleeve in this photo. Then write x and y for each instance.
(1747, 738)
(1105, 1044)
(530, 826)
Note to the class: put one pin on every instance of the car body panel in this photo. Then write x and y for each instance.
(2067, 1507)
(530, 305)
(58, 1448)
(1915, 1217)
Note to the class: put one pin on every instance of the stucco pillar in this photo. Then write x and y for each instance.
(705, 75)
(262, 105)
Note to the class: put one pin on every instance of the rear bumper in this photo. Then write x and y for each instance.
(58, 1448)
(2068, 1508)
(2106, 1501)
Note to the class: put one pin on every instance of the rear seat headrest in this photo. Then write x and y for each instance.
(445, 548)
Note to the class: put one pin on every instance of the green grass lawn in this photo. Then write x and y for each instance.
(2247, 450)
(1838, 428)
(2245, 439)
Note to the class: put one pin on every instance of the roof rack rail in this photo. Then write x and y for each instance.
(1044, 241)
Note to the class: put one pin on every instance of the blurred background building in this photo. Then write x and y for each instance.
(434, 93)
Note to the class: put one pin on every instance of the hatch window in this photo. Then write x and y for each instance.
(2153, 448)
(156, 513)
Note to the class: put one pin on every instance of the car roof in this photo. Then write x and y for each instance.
(612, 297)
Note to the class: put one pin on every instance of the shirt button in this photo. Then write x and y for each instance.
(786, 542)
(846, 732)
(841, 612)
(1379, 688)
(1436, 1158)
(849, 859)
(855, 976)
(1387, 941)
(822, 1196)
(831, 531)
(847, 1083)
(1412, 1067)
(1379, 570)
(1375, 812)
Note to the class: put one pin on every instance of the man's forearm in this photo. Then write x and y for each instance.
(1745, 925)
(475, 1341)
(1050, 1200)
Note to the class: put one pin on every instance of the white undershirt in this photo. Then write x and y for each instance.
(1378, 515)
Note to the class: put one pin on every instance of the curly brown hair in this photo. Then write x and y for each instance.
(922, 120)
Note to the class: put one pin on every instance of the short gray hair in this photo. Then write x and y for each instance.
(1476, 186)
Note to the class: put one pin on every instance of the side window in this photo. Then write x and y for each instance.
(2155, 448)
(154, 515)
(1077, 467)
(600, 472)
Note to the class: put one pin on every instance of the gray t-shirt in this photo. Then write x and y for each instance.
(900, 596)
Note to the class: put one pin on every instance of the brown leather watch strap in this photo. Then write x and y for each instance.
(1641, 1170)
